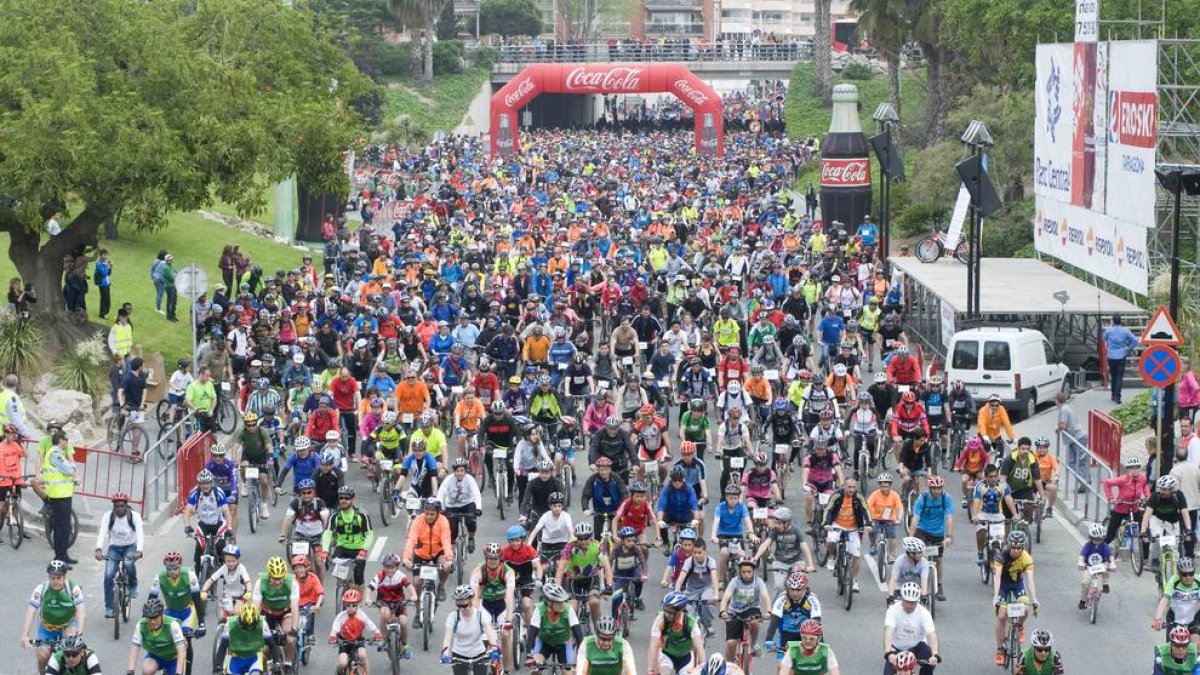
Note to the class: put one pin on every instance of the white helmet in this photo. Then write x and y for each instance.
(910, 592)
(839, 370)
(880, 378)
(1096, 531)
(1168, 483)
(913, 545)
(389, 417)
(735, 387)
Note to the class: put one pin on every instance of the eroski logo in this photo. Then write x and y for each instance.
(522, 90)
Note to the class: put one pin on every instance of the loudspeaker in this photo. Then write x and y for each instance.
(312, 207)
(890, 161)
(971, 171)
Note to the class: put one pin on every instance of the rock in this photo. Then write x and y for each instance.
(66, 406)
(46, 383)
(83, 433)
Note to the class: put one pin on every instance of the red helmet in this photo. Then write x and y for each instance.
(172, 558)
(1180, 635)
(811, 627)
(119, 497)
(908, 397)
(300, 560)
(12, 429)
(687, 448)
(603, 461)
(804, 374)
(937, 482)
(646, 410)
(906, 661)
(351, 597)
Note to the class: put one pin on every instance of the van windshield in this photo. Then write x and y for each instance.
(996, 356)
(966, 355)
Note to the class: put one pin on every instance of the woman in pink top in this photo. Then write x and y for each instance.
(1189, 391)
(1126, 493)
(598, 412)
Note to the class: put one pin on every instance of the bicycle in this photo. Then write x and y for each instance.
(354, 666)
(937, 454)
(133, 435)
(650, 471)
(879, 547)
(781, 464)
(14, 519)
(932, 554)
(625, 609)
(700, 609)
(460, 545)
(253, 496)
(225, 415)
(305, 634)
(475, 465)
(500, 478)
(391, 645)
(1129, 538)
(1097, 571)
(933, 247)
(991, 550)
(841, 568)
(864, 453)
(341, 569)
(566, 472)
(817, 527)
(387, 489)
(121, 599)
(1167, 557)
(1032, 527)
(744, 652)
(1015, 611)
(426, 601)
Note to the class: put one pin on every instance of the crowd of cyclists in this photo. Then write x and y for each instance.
(582, 344)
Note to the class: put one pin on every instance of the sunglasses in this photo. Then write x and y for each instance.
(1041, 649)
(75, 655)
(345, 499)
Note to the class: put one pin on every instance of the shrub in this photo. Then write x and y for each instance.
(857, 71)
(20, 346)
(81, 367)
(381, 59)
(914, 220)
(448, 57)
(484, 56)
(1134, 414)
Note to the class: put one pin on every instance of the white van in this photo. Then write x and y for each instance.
(1017, 363)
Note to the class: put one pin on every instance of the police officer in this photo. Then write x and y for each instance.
(58, 472)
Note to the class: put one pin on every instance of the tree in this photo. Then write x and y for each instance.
(885, 22)
(822, 43)
(422, 13)
(510, 18)
(583, 19)
(447, 23)
(924, 20)
(136, 107)
(994, 40)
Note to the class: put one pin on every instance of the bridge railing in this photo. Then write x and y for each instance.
(603, 52)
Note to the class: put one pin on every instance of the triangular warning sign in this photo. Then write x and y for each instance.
(1162, 330)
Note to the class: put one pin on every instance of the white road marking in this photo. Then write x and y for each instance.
(377, 549)
(870, 561)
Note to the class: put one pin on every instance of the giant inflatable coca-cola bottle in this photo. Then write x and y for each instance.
(845, 163)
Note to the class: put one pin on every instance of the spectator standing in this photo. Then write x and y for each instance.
(1188, 393)
(160, 290)
(21, 296)
(1068, 424)
(1119, 341)
(168, 281)
(103, 280)
(120, 336)
(227, 263)
(1189, 441)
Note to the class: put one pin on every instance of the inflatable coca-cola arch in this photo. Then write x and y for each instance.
(609, 78)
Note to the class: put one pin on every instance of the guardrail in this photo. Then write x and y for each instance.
(1088, 471)
(601, 52)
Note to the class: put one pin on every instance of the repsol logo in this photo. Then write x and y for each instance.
(1105, 246)
(1135, 257)
(1075, 235)
(1050, 226)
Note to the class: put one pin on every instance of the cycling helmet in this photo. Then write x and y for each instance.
(205, 476)
(646, 410)
(908, 397)
(747, 560)
(637, 486)
(306, 484)
(352, 596)
(249, 614)
(1017, 539)
(233, 550)
(804, 374)
(884, 477)
(460, 463)
(389, 417)
(250, 418)
(276, 568)
(492, 550)
(1041, 638)
(935, 379)
(554, 593)
(464, 592)
(880, 378)
(1185, 565)
(826, 414)
(810, 627)
(154, 607)
(173, 559)
(687, 534)
(687, 448)
(735, 388)
(606, 626)
(583, 530)
(515, 532)
(555, 498)
(906, 661)
(544, 381)
(11, 429)
(974, 443)
(119, 497)
(936, 482)
(1180, 635)
(913, 545)
(498, 406)
(993, 398)
(715, 665)
(910, 591)
(1168, 483)
(677, 473)
(426, 419)
(303, 443)
(839, 370)
(796, 581)
(626, 531)
(735, 412)
(332, 435)
(432, 504)
(1096, 531)
(613, 422)
(72, 644)
(346, 491)
(328, 457)
(697, 403)
(603, 461)
(566, 421)
(1042, 442)
(756, 368)
(545, 465)
(783, 514)
(1133, 463)
(675, 600)
(733, 489)
(57, 568)
(219, 450)
(300, 560)
(901, 348)
(864, 396)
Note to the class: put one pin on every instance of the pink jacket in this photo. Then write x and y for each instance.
(1128, 490)
(1189, 391)
(594, 417)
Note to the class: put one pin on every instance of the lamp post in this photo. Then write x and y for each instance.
(885, 116)
(1177, 179)
(977, 138)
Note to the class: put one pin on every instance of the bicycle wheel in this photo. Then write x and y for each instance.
(135, 440)
(862, 467)
(566, 486)
(16, 525)
(745, 654)
(1093, 607)
(273, 495)
(385, 501)
(459, 554)
(1135, 556)
(475, 468)
(252, 513)
(929, 250)
(426, 620)
(112, 433)
(118, 602)
(1038, 514)
(167, 443)
(217, 641)
(393, 651)
(962, 252)
(518, 636)
(819, 550)
(848, 582)
(74, 532)
(881, 559)
(226, 417)
(501, 480)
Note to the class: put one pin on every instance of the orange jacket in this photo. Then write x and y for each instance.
(428, 541)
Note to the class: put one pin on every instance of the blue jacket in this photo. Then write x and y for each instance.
(678, 505)
(1119, 341)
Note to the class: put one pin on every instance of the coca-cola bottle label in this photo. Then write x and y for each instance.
(845, 172)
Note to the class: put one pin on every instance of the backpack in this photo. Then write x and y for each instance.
(112, 518)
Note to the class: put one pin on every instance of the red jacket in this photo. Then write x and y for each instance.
(319, 425)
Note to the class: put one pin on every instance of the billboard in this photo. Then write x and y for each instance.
(1094, 154)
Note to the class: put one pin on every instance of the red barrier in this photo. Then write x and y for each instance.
(98, 473)
(193, 455)
(1104, 435)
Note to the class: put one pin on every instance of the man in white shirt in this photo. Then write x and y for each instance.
(908, 626)
(1189, 440)
(120, 540)
(461, 499)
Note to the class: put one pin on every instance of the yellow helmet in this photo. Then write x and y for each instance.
(248, 614)
(276, 567)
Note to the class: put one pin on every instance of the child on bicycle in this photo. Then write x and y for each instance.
(628, 562)
(744, 602)
(236, 584)
(698, 581)
(679, 555)
(351, 629)
(391, 590)
(1094, 552)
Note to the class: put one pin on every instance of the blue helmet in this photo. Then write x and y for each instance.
(233, 550)
(687, 533)
(626, 531)
(329, 457)
(515, 532)
(675, 600)
(781, 404)
(306, 484)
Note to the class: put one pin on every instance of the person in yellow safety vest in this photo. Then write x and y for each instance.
(12, 411)
(58, 480)
(120, 336)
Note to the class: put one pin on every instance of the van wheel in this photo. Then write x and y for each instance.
(1030, 404)
(1066, 387)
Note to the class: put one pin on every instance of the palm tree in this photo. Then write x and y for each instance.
(823, 83)
(924, 18)
(423, 13)
(885, 22)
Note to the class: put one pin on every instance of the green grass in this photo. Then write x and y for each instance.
(191, 239)
(440, 107)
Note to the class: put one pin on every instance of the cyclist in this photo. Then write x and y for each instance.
(820, 472)
(742, 606)
(468, 413)
(583, 562)
(180, 591)
(432, 438)
(277, 595)
(970, 463)
(677, 505)
(605, 653)
(1178, 655)
(72, 657)
(614, 443)
(554, 630)
(1012, 579)
(1040, 658)
(932, 521)
(791, 610)
(1023, 476)
(731, 524)
(428, 544)
(907, 417)
(847, 512)
(243, 643)
(256, 447)
(162, 640)
(310, 515)
(985, 507)
(58, 605)
(694, 470)
(694, 423)
(1180, 602)
(863, 422)
(637, 513)
(676, 642)
(760, 484)
(1128, 492)
(934, 398)
(914, 462)
(652, 442)
(235, 582)
(461, 500)
(524, 561)
(312, 594)
(554, 527)
(697, 580)
(628, 562)
(1095, 551)
(786, 545)
(119, 542)
(536, 501)
(350, 629)
(809, 654)
(225, 476)
(391, 591)
(349, 533)
(908, 627)
(603, 494)
(494, 585)
(733, 440)
(419, 469)
(991, 421)
(207, 505)
(1048, 470)
(499, 430)
(1167, 512)
(677, 556)
(887, 513)
(912, 567)
(785, 427)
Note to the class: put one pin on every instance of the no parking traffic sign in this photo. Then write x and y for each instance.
(1159, 366)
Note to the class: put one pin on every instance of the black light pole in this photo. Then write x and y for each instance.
(1176, 179)
(885, 117)
(977, 138)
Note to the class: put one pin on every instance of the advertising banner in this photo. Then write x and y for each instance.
(1132, 121)
(1054, 123)
(1099, 244)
